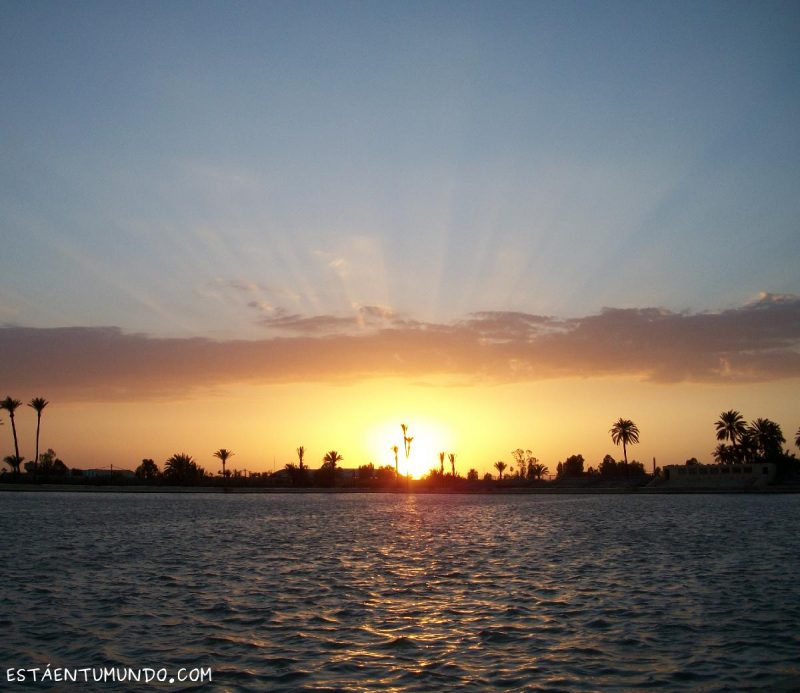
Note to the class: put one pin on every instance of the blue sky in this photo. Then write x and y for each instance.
(262, 225)
(199, 169)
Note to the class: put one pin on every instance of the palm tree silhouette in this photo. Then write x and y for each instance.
(724, 454)
(182, 468)
(500, 466)
(441, 462)
(38, 403)
(301, 451)
(223, 455)
(10, 405)
(797, 438)
(406, 442)
(14, 462)
(331, 458)
(395, 450)
(624, 431)
(731, 426)
(767, 436)
(329, 463)
(452, 458)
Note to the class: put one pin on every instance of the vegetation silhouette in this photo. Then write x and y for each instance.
(147, 470)
(38, 404)
(48, 465)
(766, 437)
(731, 426)
(223, 455)
(624, 431)
(14, 462)
(762, 440)
(182, 469)
(11, 406)
(406, 441)
(759, 441)
(327, 472)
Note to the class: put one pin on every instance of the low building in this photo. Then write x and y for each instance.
(718, 475)
(108, 473)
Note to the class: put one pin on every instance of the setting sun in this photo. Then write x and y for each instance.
(428, 439)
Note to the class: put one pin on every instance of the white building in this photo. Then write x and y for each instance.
(718, 475)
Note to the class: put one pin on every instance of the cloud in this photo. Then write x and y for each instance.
(363, 318)
(756, 342)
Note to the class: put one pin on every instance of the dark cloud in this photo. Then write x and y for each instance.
(364, 317)
(757, 342)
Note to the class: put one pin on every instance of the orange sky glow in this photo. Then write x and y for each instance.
(264, 424)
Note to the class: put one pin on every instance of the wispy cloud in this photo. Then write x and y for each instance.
(756, 342)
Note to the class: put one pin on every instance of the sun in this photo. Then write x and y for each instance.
(428, 439)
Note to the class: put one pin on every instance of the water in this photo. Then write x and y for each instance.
(407, 593)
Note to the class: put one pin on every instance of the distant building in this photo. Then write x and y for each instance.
(108, 473)
(718, 475)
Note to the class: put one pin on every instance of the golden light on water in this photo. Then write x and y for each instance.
(429, 438)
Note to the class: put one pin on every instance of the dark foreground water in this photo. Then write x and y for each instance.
(371, 592)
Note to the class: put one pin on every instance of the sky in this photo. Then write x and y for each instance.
(261, 225)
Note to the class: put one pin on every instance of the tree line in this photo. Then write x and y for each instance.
(761, 440)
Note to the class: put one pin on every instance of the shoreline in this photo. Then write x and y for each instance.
(603, 491)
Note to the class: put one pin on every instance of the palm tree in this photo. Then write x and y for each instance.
(182, 468)
(329, 464)
(500, 466)
(767, 436)
(441, 462)
(452, 458)
(797, 438)
(223, 455)
(395, 450)
(10, 405)
(731, 426)
(331, 458)
(724, 454)
(536, 469)
(14, 462)
(301, 451)
(406, 441)
(38, 403)
(624, 431)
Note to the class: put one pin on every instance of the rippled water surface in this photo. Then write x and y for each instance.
(368, 592)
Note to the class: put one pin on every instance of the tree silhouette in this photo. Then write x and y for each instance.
(442, 455)
(13, 461)
(452, 458)
(301, 451)
(537, 469)
(181, 468)
(731, 426)
(406, 442)
(329, 465)
(223, 455)
(724, 454)
(148, 469)
(11, 405)
(38, 403)
(500, 466)
(331, 458)
(767, 437)
(624, 431)
(395, 450)
(797, 438)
